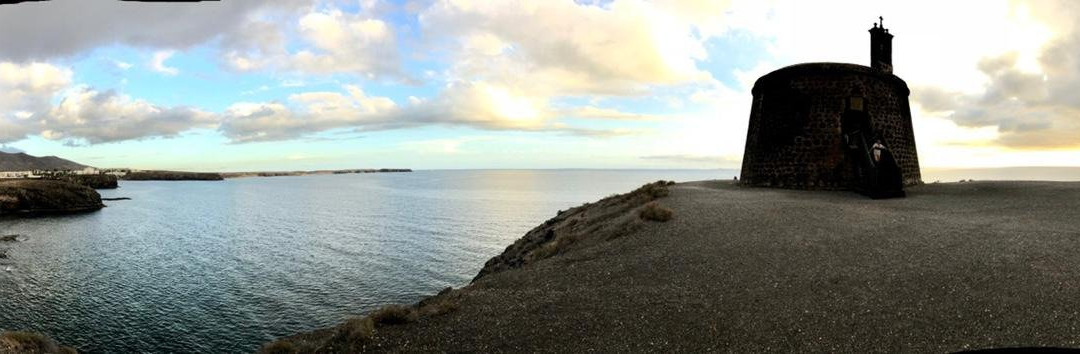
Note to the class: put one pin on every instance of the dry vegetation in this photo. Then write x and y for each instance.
(356, 333)
(31, 343)
(653, 211)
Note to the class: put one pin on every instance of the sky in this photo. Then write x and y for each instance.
(331, 84)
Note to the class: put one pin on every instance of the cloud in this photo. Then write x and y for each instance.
(469, 104)
(568, 48)
(25, 91)
(41, 99)
(121, 65)
(80, 114)
(592, 112)
(92, 117)
(45, 30)
(157, 63)
(1030, 107)
(330, 42)
(304, 114)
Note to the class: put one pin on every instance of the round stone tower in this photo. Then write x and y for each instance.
(815, 125)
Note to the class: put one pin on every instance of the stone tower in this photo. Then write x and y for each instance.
(814, 126)
(881, 48)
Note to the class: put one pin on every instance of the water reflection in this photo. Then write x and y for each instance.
(226, 266)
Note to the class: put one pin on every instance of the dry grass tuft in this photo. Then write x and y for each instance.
(29, 342)
(393, 314)
(438, 308)
(655, 212)
(656, 190)
(359, 329)
(279, 347)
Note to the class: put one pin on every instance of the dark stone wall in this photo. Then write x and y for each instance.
(794, 138)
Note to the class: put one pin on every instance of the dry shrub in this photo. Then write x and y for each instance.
(438, 308)
(656, 212)
(656, 190)
(29, 342)
(393, 314)
(279, 347)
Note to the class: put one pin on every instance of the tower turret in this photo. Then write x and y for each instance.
(881, 47)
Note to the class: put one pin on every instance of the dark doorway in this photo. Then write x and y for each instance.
(875, 171)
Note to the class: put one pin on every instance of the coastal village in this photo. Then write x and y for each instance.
(33, 174)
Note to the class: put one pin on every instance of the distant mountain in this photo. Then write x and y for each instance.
(23, 162)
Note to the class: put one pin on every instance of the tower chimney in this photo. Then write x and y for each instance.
(881, 47)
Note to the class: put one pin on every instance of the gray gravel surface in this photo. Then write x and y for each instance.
(952, 267)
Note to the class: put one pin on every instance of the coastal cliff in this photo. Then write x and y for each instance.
(579, 227)
(37, 196)
(306, 173)
(172, 176)
(953, 267)
(98, 181)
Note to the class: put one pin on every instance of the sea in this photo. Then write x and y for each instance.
(226, 266)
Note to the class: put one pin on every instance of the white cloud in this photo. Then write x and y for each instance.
(568, 48)
(333, 42)
(88, 116)
(593, 112)
(1029, 93)
(157, 63)
(305, 113)
(41, 99)
(121, 65)
(26, 90)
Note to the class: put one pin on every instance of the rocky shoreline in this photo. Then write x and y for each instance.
(316, 172)
(40, 197)
(172, 176)
(98, 181)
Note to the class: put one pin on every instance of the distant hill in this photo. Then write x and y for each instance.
(23, 162)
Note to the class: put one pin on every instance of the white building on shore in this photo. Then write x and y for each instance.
(18, 174)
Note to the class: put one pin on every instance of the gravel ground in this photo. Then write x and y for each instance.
(952, 267)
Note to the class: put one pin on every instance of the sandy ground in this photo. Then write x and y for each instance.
(952, 267)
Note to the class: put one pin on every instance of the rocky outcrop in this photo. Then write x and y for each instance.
(608, 218)
(172, 176)
(99, 181)
(36, 196)
(305, 173)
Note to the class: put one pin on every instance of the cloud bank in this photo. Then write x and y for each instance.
(1035, 108)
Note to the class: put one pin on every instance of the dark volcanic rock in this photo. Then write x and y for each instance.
(99, 181)
(172, 176)
(29, 196)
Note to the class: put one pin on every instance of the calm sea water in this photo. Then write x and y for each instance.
(226, 266)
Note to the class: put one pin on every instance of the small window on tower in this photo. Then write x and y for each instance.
(855, 103)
